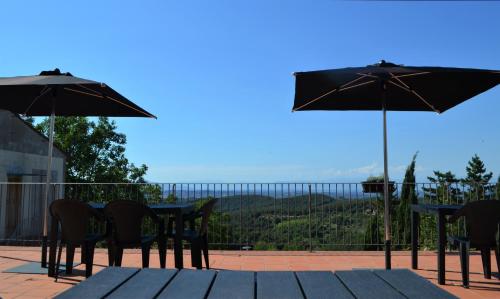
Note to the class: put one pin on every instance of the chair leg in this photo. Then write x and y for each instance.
(70, 254)
(111, 254)
(145, 248)
(118, 252)
(497, 256)
(486, 258)
(464, 263)
(58, 263)
(162, 252)
(83, 254)
(196, 253)
(205, 251)
(89, 258)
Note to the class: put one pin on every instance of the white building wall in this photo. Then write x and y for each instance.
(25, 165)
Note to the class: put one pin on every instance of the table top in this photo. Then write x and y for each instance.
(116, 282)
(435, 208)
(157, 207)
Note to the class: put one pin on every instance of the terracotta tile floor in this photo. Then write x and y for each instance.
(40, 286)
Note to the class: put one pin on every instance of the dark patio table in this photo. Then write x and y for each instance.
(177, 209)
(440, 211)
(115, 282)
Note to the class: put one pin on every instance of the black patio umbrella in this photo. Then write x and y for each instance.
(389, 87)
(54, 93)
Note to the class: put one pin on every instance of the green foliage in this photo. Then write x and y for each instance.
(476, 171)
(219, 225)
(402, 233)
(95, 150)
(477, 179)
(373, 233)
(375, 179)
(443, 188)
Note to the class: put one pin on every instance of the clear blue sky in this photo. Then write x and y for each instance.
(218, 76)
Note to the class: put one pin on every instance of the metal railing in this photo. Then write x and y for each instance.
(260, 216)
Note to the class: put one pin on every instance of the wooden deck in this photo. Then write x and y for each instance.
(116, 282)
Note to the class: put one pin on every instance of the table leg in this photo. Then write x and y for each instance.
(179, 229)
(441, 222)
(44, 252)
(52, 248)
(162, 243)
(110, 241)
(415, 224)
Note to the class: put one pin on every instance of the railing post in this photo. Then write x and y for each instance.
(241, 215)
(310, 228)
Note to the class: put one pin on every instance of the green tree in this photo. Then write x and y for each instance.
(477, 179)
(443, 188)
(95, 150)
(408, 197)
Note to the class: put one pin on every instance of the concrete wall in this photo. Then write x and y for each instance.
(23, 155)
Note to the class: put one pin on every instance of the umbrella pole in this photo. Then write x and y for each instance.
(387, 204)
(47, 190)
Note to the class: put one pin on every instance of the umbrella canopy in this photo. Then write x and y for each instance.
(407, 88)
(64, 94)
(387, 86)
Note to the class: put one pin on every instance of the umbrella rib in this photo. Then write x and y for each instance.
(412, 74)
(357, 85)
(108, 97)
(408, 89)
(44, 91)
(400, 81)
(89, 89)
(342, 87)
(368, 75)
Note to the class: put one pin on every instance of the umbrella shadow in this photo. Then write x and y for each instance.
(450, 271)
(18, 259)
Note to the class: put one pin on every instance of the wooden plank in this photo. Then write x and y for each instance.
(322, 284)
(233, 284)
(145, 284)
(412, 285)
(365, 284)
(278, 284)
(100, 284)
(191, 284)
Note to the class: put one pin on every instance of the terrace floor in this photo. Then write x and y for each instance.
(40, 286)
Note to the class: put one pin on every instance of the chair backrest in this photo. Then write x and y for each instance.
(126, 217)
(482, 218)
(74, 217)
(206, 211)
